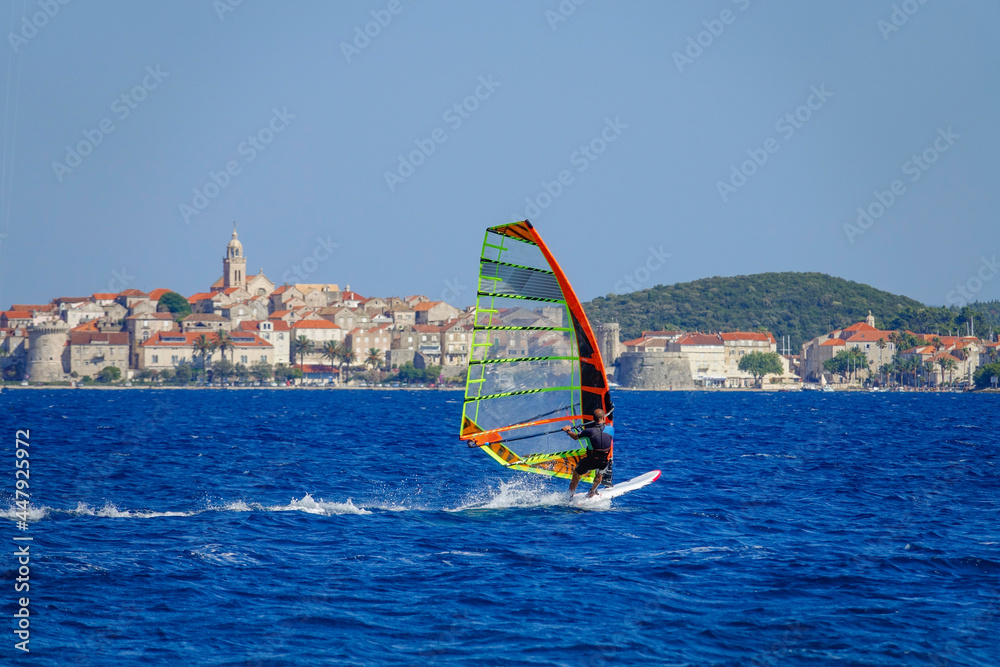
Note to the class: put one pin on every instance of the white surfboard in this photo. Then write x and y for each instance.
(604, 493)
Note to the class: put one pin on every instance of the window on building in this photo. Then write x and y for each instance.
(243, 358)
(281, 336)
(156, 358)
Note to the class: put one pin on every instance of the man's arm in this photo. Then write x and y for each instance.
(568, 431)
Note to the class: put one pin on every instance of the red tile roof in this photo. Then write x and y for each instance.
(201, 296)
(17, 314)
(104, 296)
(748, 335)
(77, 337)
(89, 325)
(700, 339)
(158, 293)
(45, 308)
(177, 339)
(833, 342)
(133, 292)
(426, 305)
(869, 336)
(151, 316)
(426, 328)
(861, 326)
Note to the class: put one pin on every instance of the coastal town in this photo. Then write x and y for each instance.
(248, 329)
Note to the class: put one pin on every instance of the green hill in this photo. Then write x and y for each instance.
(800, 305)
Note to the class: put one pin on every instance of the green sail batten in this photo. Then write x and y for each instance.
(516, 266)
(521, 392)
(488, 327)
(505, 295)
(473, 362)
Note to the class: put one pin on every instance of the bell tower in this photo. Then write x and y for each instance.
(234, 264)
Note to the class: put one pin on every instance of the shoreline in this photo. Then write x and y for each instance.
(796, 390)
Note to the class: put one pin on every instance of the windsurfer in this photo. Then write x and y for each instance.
(597, 457)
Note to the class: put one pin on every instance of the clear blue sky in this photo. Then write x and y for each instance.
(664, 119)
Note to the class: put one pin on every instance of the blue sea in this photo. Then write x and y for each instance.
(339, 527)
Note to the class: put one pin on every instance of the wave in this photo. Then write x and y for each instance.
(520, 493)
(111, 510)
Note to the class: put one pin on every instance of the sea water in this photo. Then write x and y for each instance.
(294, 527)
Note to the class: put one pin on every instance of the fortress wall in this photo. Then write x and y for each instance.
(654, 370)
(47, 352)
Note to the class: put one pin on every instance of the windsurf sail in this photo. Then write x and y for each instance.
(534, 364)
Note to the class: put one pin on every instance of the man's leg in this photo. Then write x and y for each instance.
(593, 487)
(573, 482)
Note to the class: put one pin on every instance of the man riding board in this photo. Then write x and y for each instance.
(599, 454)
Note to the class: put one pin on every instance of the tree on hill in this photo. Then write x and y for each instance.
(175, 304)
(799, 305)
(758, 364)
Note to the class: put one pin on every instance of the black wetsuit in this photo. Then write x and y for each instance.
(597, 457)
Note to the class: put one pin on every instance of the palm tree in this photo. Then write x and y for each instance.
(347, 357)
(885, 370)
(302, 346)
(374, 357)
(881, 345)
(204, 346)
(948, 363)
(223, 342)
(331, 351)
(928, 368)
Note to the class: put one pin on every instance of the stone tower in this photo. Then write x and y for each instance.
(234, 264)
(608, 334)
(47, 352)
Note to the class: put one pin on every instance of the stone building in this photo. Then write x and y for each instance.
(47, 352)
(92, 351)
